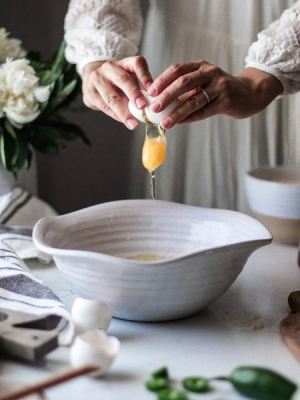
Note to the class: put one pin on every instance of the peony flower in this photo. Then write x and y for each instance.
(10, 48)
(20, 94)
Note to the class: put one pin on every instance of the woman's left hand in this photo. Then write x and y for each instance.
(205, 90)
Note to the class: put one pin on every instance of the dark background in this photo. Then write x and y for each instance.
(82, 175)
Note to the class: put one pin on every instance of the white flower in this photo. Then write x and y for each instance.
(42, 93)
(19, 91)
(10, 48)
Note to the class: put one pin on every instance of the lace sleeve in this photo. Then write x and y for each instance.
(97, 30)
(277, 50)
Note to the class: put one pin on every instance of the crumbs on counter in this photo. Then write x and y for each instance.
(257, 326)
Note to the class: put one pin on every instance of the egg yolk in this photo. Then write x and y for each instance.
(154, 153)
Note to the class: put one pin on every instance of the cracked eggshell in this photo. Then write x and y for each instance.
(156, 118)
(94, 348)
(90, 314)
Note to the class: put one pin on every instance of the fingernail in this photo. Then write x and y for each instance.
(147, 85)
(140, 102)
(166, 123)
(131, 123)
(156, 106)
(152, 91)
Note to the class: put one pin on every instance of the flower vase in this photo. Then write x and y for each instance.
(27, 179)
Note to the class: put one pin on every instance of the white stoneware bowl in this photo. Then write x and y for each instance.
(273, 195)
(205, 251)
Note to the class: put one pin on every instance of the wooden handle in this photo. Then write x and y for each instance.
(55, 380)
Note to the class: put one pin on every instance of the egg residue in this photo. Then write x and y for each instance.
(154, 152)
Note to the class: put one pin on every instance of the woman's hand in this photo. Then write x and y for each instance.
(109, 85)
(237, 97)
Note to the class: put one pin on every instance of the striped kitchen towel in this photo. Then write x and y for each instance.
(19, 212)
(20, 290)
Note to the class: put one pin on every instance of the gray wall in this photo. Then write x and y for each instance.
(82, 176)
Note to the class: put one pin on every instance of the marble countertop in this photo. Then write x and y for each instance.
(241, 328)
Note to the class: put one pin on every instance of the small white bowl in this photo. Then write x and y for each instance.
(273, 196)
(204, 250)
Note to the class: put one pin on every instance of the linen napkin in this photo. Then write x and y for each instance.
(21, 211)
(20, 290)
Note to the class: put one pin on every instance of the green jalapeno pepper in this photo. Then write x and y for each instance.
(171, 394)
(196, 384)
(161, 373)
(156, 384)
(261, 384)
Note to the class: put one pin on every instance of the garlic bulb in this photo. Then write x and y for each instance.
(153, 117)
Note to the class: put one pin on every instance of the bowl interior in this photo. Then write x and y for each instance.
(153, 229)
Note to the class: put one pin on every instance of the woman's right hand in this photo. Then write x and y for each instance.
(109, 85)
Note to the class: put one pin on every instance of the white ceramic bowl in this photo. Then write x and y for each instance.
(205, 251)
(273, 195)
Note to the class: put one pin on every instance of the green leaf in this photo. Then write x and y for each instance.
(10, 129)
(48, 107)
(37, 65)
(60, 59)
(21, 155)
(49, 76)
(2, 148)
(65, 92)
(9, 151)
(29, 158)
(34, 55)
(68, 131)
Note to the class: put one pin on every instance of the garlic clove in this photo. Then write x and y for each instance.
(94, 348)
(90, 314)
(155, 118)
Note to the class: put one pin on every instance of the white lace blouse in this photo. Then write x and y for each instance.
(97, 30)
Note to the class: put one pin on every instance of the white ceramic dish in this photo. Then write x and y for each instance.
(205, 251)
(273, 195)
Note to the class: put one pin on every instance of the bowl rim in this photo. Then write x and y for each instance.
(41, 244)
(250, 174)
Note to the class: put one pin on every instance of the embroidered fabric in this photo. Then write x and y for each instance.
(97, 30)
(277, 50)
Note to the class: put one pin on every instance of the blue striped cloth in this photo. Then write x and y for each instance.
(20, 290)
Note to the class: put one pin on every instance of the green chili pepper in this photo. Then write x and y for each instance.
(261, 384)
(161, 373)
(196, 384)
(156, 384)
(171, 394)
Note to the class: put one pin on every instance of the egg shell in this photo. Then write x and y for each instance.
(94, 348)
(156, 118)
(90, 314)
